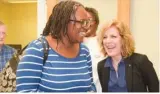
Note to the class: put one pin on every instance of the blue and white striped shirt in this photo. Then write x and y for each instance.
(59, 74)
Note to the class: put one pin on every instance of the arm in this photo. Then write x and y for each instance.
(89, 63)
(29, 70)
(149, 75)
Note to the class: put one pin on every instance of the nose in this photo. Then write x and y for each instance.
(1, 37)
(108, 40)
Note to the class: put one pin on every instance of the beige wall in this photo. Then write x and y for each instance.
(107, 9)
(145, 27)
(123, 11)
(21, 21)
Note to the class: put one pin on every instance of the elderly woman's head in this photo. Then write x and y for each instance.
(115, 39)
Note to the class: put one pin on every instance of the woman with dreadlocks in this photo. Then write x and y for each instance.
(68, 67)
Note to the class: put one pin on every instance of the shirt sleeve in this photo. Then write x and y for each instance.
(89, 63)
(29, 69)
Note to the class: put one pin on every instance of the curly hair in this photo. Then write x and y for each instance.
(128, 45)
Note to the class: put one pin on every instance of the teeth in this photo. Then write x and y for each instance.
(110, 47)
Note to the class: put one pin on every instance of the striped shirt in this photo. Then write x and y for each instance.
(6, 53)
(59, 74)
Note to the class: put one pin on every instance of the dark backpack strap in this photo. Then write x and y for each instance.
(45, 48)
(13, 62)
(20, 53)
(15, 57)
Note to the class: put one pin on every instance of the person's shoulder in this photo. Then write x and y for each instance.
(138, 56)
(8, 47)
(36, 44)
(84, 47)
(102, 62)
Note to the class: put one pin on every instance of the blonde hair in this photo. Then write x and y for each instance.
(128, 45)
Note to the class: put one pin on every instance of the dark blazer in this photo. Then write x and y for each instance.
(140, 74)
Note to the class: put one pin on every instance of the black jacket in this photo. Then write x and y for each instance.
(140, 74)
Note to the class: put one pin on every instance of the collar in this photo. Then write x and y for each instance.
(1, 49)
(108, 62)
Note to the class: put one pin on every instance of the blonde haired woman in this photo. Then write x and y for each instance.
(123, 70)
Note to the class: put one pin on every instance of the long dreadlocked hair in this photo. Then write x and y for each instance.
(57, 24)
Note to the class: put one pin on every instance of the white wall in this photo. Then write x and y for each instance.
(145, 27)
(41, 16)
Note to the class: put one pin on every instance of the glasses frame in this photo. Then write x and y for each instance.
(83, 22)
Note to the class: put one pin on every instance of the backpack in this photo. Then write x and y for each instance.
(8, 74)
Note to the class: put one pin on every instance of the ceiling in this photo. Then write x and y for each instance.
(19, 1)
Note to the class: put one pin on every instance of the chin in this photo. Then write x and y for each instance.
(80, 41)
(111, 54)
(1, 43)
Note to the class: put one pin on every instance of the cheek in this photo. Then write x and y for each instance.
(71, 30)
(120, 44)
(2, 37)
(104, 44)
(74, 35)
(119, 47)
(70, 33)
(78, 26)
(75, 29)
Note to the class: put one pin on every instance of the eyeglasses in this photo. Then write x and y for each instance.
(92, 21)
(84, 23)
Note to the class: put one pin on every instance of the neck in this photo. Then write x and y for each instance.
(1, 45)
(63, 45)
(116, 59)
